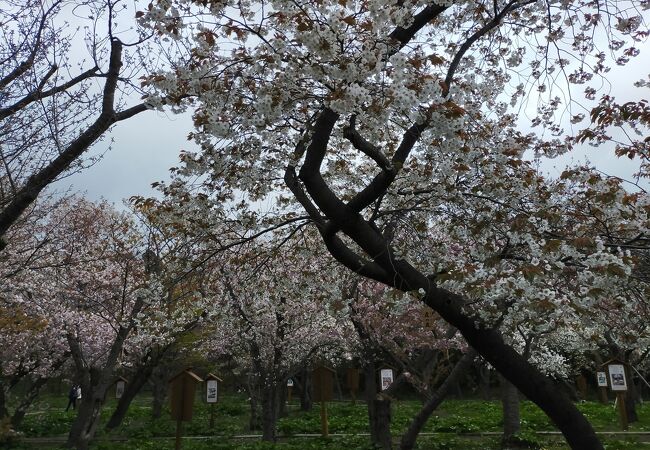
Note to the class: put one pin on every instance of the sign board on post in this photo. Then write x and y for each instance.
(211, 393)
(183, 391)
(183, 388)
(120, 386)
(385, 378)
(211, 385)
(617, 377)
(429, 317)
(618, 384)
(323, 384)
(601, 379)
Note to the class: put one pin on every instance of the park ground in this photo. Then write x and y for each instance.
(458, 424)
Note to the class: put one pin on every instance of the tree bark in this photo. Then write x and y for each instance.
(270, 412)
(630, 400)
(283, 395)
(461, 368)
(381, 424)
(93, 393)
(254, 420)
(4, 412)
(379, 410)
(306, 403)
(511, 419)
(484, 381)
(159, 388)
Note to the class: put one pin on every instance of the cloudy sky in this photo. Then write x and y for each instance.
(142, 150)
(145, 147)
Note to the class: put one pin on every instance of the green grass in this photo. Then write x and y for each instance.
(454, 418)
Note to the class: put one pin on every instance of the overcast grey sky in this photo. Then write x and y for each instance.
(146, 146)
(143, 149)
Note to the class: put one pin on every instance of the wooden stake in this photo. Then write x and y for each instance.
(179, 432)
(323, 419)
(603, 394)
(211, 415)
(289, 388)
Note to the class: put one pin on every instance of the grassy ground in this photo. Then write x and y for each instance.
(451, 425)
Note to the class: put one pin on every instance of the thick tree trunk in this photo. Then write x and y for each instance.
(514, 367)
(270, 411)
(511, 419)
(415, 427)
(630, 402)
(254, 420)
(282, 404)
(88, 416)
(253, 395)
(381, 423)
(133, 387)
(159, 387)
(379, 411)
(306, 403)
(484, 381)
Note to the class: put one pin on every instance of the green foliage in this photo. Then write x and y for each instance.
(53, 422)
(450, 425)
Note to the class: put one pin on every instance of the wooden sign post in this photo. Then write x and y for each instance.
(601, 380)
(323, 383)
(289, 389)
(120, 386)
(211, 391)
(352, 378)
(581, 384)
(618, 385)
(183, 388)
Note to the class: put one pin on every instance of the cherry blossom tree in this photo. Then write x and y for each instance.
(385, 120)
(274, 317)
(124, 304)
(92, 291)
(395, 328)
(33, 346)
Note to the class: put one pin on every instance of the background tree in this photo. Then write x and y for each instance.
(274, 317)
(54, 103)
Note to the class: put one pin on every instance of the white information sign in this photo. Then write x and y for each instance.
(119, 388)
(289, 382)
(211, 391)
(617, 377)
(386, 378)
(601, 378)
